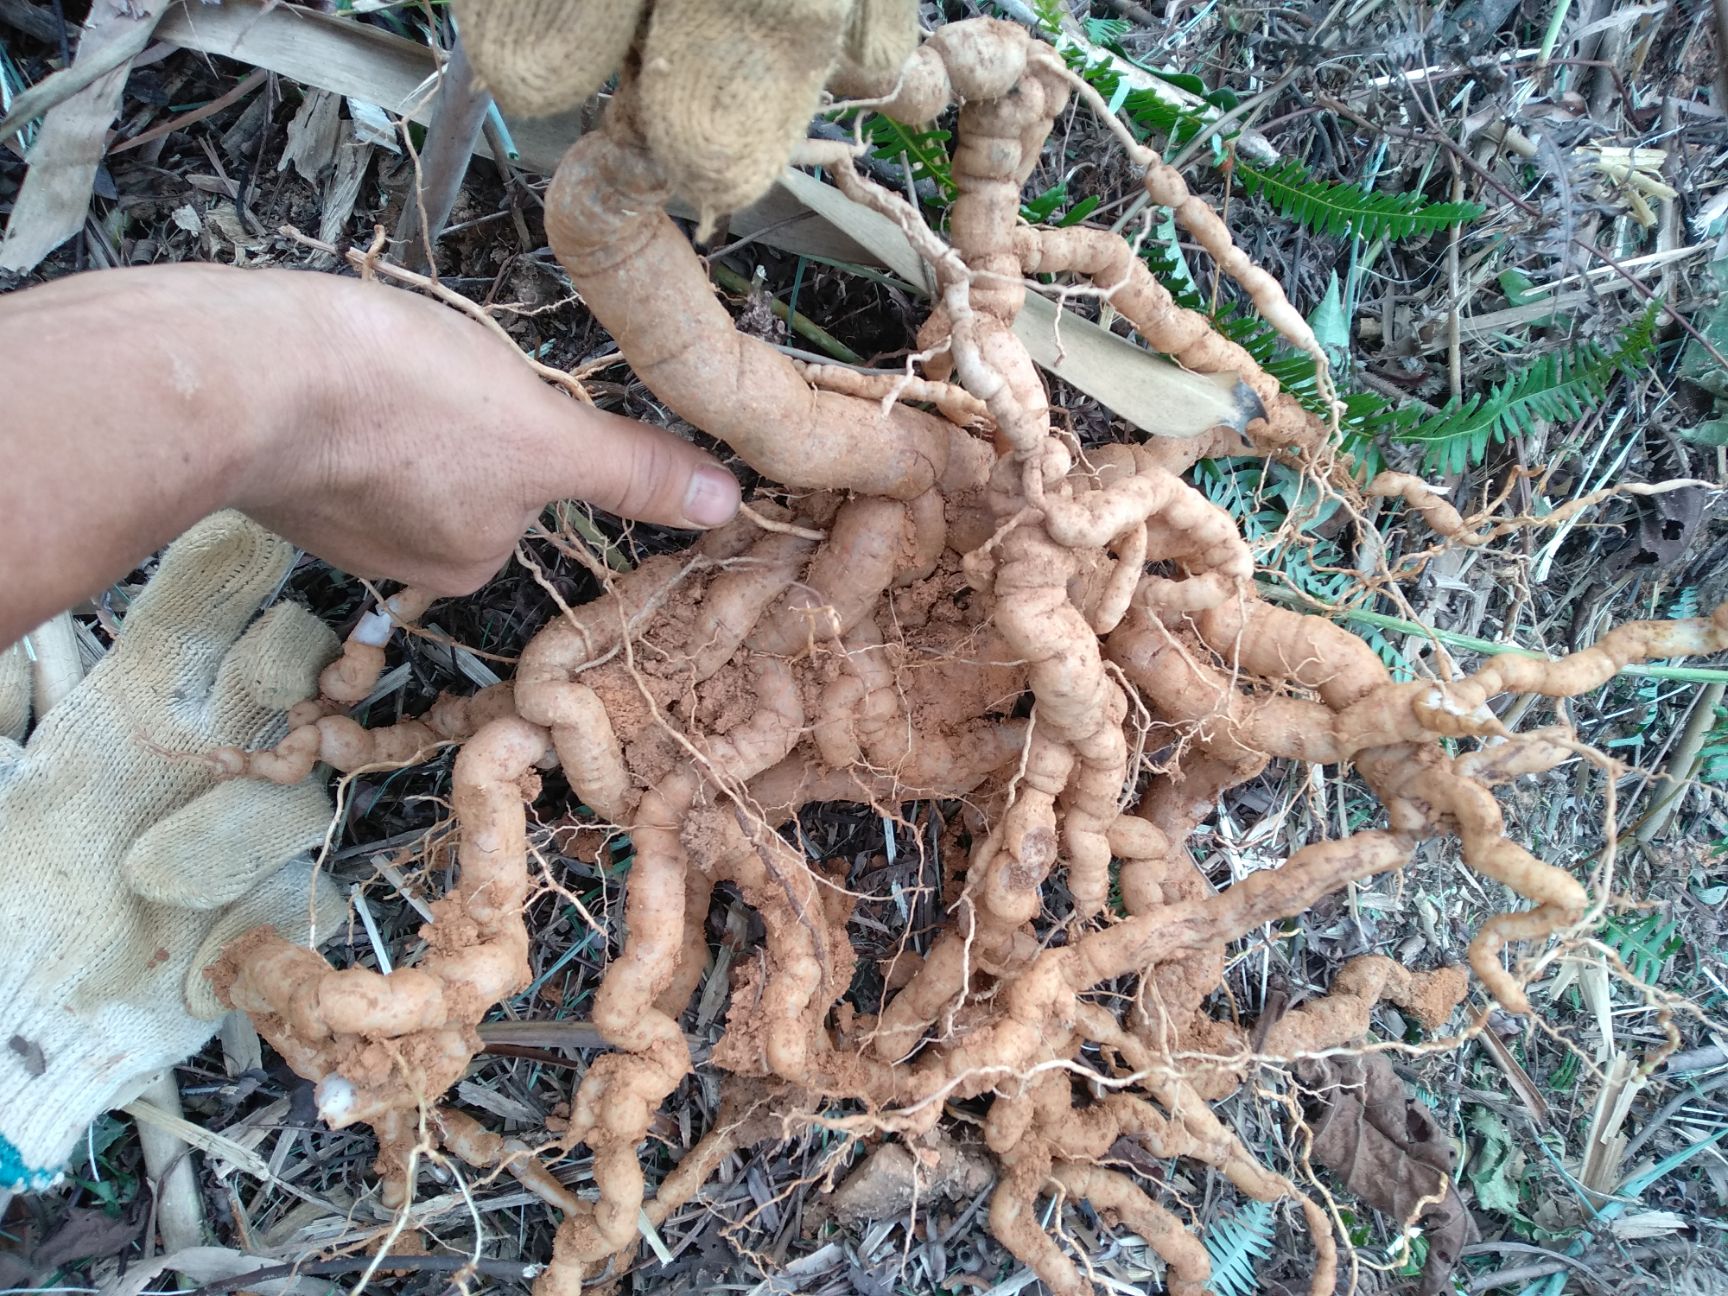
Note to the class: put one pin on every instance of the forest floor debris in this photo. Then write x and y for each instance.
(1587, 424)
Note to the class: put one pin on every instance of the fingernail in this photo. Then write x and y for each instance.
(712, 497)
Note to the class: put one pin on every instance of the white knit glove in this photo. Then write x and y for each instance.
(124, 866)
(727, 87)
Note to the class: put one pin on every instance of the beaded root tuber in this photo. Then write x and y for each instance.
(991, 615)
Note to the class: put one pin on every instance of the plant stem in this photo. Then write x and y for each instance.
(1684, 674)
(802, 325)
(1683, 764)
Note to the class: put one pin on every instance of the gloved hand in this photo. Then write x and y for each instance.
(124, 865)
(724, 88)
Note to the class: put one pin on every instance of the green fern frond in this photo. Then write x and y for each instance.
(1042, 209)
(1561, 385)
(1107, 31)
(1713, 756)
(1390, 654)
(1237, 1245)
(1049, 13)
(1146, 112)
(1334, 207)
(1150, 113)
(925, 151)
(1644, 944)
(1367, 417)
(1688, 603)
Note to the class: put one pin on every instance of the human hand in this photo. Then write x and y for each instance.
(381, 432)
(125, 866)
(725, 88)
(432, 446)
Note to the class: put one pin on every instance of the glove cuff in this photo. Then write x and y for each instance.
(46, 1101)
(18, 1176)
(60, 1070)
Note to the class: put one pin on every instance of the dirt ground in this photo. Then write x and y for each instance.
(1557, 340)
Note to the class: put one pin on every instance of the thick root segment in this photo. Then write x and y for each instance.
(955, 607)
(377, 1043)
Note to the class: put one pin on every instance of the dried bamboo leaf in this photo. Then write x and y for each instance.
(1145, 389)
(56, 194)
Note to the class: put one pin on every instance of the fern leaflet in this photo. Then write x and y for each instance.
(1645, 944)
(1561, 385)
(925, 151)
(1688, 603)
(1148, 112)
(1237, 1245)
(1367, 415)
(1334, 207)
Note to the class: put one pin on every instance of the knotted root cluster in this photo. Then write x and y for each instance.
(959, 608)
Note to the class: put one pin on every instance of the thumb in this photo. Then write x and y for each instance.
(215, 849)
(639, 471)
(298, 900)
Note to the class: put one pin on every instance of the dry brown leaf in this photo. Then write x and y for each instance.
(1391, 1152)
(85, 1234)
(894, 1179)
